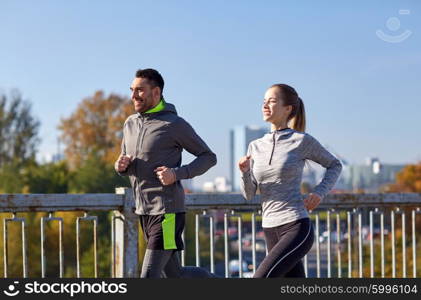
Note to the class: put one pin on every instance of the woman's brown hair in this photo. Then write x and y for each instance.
(297, 116)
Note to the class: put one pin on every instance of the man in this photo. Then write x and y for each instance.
(153, 140)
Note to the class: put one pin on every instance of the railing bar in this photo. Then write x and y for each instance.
(183, 252)
(43, 237)
(414, 246)
(24, 244)
(61, 248)
(95, 221)
(349, 245)
(253, 240)
(371, 246)
(317, 245)
(360, 245)
(24, 250)
(42, 249)
(95, 249)
(338, 244)
(329, 275)
(212, 250)
(240, 247)
(403, 216)
(77, 248)
(226, 250)
(197, 241)
(382, 253)
(5, 247)
(113, 247)
(392, 225)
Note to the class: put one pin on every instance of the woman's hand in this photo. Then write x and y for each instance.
(244, 163)
(312, 201)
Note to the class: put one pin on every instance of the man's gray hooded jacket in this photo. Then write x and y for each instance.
(154, 140)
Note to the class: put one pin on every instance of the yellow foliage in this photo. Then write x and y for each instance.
(408, 180)
(95, 126)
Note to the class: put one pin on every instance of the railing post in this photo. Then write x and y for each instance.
(125, 237)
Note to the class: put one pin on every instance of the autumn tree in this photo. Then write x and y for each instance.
(408, 180)
(95, 128)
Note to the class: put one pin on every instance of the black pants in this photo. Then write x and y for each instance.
(287, 245)
(166, 263)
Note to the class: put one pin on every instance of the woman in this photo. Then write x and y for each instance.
(274, 164)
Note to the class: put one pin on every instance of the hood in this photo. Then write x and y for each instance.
(169, 108)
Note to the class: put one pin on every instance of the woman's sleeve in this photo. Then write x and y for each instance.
(248, 183)
(314, 151)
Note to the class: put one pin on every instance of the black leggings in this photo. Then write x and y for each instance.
(287, 245)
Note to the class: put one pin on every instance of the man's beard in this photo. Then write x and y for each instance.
(143, 105)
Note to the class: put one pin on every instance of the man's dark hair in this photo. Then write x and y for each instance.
(153, 76)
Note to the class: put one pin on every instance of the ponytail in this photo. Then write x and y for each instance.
(298, 121)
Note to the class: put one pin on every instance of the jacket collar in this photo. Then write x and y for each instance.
(279, 133)
(168, 108)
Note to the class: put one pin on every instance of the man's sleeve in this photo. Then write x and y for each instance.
(188, 139)
(122, 152)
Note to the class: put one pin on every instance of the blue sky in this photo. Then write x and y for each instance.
(362, 94)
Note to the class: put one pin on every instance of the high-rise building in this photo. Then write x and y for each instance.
(240, 137)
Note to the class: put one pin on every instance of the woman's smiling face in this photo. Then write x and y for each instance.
(273, 108)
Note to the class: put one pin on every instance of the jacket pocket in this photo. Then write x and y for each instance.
(174, 197)
(153, 198)
(138, 197)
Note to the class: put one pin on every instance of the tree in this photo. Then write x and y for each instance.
(18, 129)
(18, 140)
(92, 135)
(408, 180)
(95, 127)
(96, 176)
(49, 178)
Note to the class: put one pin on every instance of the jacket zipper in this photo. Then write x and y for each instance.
(273, 148)
(139, 137)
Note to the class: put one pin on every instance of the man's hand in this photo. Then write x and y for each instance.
(244, 163)
(165, 175)
(123, 162)
(312, 201)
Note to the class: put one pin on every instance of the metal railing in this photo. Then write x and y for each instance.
(347, 248)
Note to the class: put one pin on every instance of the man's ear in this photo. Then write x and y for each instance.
(156, 92)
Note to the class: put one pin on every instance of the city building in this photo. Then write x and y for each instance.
(219, 185)
(370, 176)
(240, 137)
